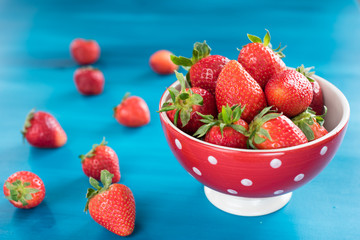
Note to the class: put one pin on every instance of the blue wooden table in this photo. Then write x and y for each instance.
(36, 71)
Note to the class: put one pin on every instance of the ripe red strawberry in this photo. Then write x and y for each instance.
(85, 51)
(112, 206)
(161, 63)
(236, 86)
(271, 130)
(204, 68)
(290, 92)
(260, 60)
(98, 158)
(186, 104)
(24, 189)
(89, 81)
(311, 124)
(132, 111)
(228, 130)
(317, 103)
(42, 130)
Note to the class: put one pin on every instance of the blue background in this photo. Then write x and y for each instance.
(36, 70)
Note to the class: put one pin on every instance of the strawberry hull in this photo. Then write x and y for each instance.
(260, 173)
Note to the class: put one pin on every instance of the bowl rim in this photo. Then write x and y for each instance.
(344, 120)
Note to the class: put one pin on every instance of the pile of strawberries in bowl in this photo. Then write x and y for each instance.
(251, 127)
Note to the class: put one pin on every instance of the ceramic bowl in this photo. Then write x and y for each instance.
(256, 182)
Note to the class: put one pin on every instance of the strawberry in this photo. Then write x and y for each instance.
(24, 189)
(260, 60)
(112, 206)
(204, 68)
(98, 158)
(186, 104)
(161, 63)
(317, 103)
(236, 86)
(42, 130)
(228, 130)
(290, 92)
(132, 111)
(311, 124)
(84, 51)
(271, 130)
(89, 81)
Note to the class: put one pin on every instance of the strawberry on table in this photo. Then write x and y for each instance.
(101, 157)
(132, 111)
(271, 130)
(161, 63)
(84, 51)
(311, 124)
(42, 130)
(112, 206)
(260, 60)
(204, 68)
(183, 106)
(235, 86)
(290, 92)
(228, 130)
(89, 80)
(317, 103)
(24, 189)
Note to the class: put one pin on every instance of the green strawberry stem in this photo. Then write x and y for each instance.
(200, 50)
(27, 123)
(122, 100)
(258, 134)
(306, 72)
(226, 118)
(91, 153)
(266, 43)
(305, 119)
(182, 101)
(20, 191)
(106, 179)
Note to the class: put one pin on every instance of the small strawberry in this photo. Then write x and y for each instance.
(42, 130)
(84, 51)
(112, 206)
(317, 103)
(228, 130)
(260, 60)
(89, 81)
(204, 68)
(101, 157)
(161, 63)
(236, 86)
(271, 130)
(24, 189)
(290, 92)
(132, 111)
(186, 104)
(311, 124)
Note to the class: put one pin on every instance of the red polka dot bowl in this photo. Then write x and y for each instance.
(256, 182)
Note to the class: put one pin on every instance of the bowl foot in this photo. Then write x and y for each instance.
(244, 206)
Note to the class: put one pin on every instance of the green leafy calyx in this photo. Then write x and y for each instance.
(182, 101)
(200, 50)
(91, 153)
(306, 119)
(106, 179)
(306, 72)
(27, 123)
(226, 118)
(266, 42)
(257, 134)
(20, 191)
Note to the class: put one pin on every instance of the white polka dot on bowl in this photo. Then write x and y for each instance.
(246, 182)
(197, 171)
(232, 191)
(275, 163)
(212, 160)
(323, 150)
(277, 192)
(178, 144)
(299, 177)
